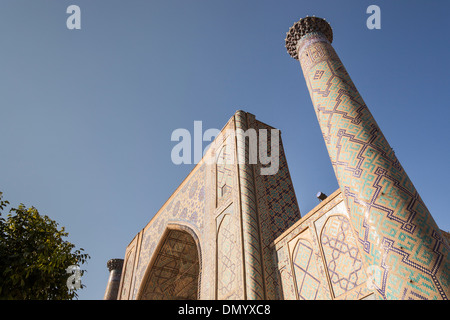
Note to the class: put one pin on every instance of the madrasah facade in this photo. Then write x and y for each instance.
(233, 229)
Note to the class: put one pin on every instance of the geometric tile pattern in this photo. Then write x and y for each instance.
(306, 272)
(286, 278)
(278, 192)
(394, 228)
(228, 261)
(277, 209)
(342, 255)
(322, 253)
(224, 175)
(287, 285)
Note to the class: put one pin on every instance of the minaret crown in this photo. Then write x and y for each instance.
(115, 264)
(303, 27)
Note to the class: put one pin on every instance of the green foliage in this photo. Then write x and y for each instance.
(34, 256)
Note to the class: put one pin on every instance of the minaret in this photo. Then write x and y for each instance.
(404, 250)
(115, 272)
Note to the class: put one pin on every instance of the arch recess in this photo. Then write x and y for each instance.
(175, 268)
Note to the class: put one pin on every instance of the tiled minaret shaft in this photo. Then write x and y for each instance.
(403, 247)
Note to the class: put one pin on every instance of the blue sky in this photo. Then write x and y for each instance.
(87, 115)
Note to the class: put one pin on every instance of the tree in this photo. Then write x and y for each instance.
(34, 256)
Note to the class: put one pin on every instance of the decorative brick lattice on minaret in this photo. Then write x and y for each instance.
(403, 248)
